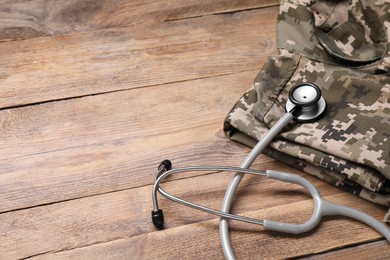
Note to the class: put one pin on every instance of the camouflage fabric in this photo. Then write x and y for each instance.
(342, 47)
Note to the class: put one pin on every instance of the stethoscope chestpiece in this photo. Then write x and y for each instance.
(306, 103)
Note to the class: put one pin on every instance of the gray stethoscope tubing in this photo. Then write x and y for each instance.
(311, 107)
(305, 104)
(227, 201)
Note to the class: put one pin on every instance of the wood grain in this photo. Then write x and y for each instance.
(94, 94)
(373, 250)
(61, 67)
(126, 214)
(87, 150)
(28, 19)
(200, 240)
(71, 144)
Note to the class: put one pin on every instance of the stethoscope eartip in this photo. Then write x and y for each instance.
(158, 218)
(157, 214)
(166, 164)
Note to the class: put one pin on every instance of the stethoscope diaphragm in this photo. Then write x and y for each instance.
(307, 101)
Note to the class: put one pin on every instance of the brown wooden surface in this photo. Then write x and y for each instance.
(94, 94)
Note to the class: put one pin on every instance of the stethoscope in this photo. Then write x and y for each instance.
(305, 104)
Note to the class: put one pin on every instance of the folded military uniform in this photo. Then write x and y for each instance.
(342, 47)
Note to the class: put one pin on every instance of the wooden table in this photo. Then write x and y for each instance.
(94, 94)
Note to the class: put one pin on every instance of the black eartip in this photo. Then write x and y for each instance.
(158, 218)
(166, 164)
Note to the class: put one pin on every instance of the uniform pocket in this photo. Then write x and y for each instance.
(346, 33)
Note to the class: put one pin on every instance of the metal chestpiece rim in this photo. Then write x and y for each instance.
(308, 98)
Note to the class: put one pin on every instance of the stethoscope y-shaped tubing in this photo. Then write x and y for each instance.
(322, 207)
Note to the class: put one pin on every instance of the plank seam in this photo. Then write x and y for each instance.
(347, 246)
(73, 248)
(202, 223)
(112, 191)
(124, 89)
(227, 12)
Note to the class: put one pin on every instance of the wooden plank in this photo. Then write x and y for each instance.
(46, 69)
(125, 214)
(79, 147)
(373, 250)
(27, 19)
(198, 240)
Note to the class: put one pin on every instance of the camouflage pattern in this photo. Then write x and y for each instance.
(341, 46)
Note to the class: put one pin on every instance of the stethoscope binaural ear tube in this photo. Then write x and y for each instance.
(306, 103)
